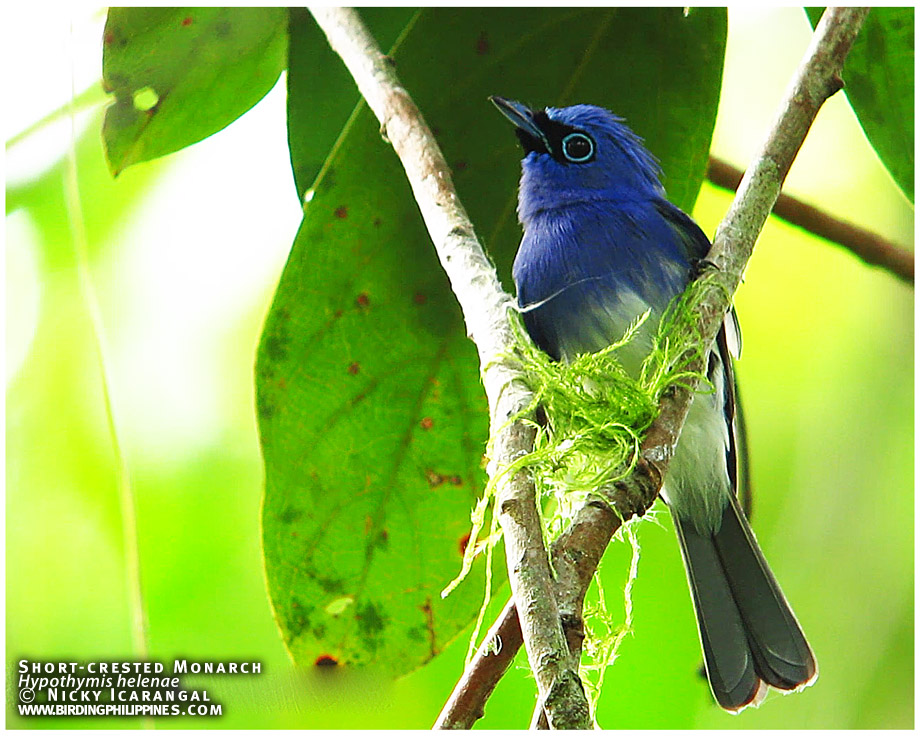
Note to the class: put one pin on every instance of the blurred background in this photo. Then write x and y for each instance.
(184, 254)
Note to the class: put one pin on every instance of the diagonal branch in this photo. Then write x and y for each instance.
(868, 246)
(817, 78)
(485, 309)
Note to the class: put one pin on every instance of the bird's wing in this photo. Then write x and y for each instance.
(691, 235)
(696, 246)
(728, 345)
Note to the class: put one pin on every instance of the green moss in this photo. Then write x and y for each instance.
(595, 412)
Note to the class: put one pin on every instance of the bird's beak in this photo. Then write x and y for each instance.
(521, 116)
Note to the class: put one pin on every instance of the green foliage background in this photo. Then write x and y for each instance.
(827, 378)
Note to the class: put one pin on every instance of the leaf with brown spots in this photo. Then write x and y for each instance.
(196, 69)
(385, 462)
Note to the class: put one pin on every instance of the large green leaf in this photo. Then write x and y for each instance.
(371, 412)
(321, 93)
(879, 77)
(181, 74)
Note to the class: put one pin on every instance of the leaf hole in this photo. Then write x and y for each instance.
(145, 99)
(339, 605)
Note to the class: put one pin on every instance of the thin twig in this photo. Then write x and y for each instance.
(469, 696)
(868, 246)
(817, 78)
(485, 309)
(127, 504)
(92, 97)
(126, 497)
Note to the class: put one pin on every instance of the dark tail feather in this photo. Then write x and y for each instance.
(729, 664)
(784, 659)
(750, 637)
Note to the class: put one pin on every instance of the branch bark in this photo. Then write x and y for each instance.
(817, 78)
(576, 555)
(870, 247)
(485, 309)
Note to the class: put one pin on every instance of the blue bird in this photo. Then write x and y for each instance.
(601, 246)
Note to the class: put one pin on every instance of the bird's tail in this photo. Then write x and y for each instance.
(750, 637)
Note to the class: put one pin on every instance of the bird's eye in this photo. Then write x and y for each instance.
(577, 147)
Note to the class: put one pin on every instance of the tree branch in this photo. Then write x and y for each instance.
(485, 309)
(870, 247)
(576, 555)
(817, 78)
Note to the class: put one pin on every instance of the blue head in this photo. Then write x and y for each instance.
(582, 153)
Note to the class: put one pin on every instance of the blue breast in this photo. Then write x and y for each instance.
(585, 271)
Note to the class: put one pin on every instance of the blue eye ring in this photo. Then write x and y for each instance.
(577, 138)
